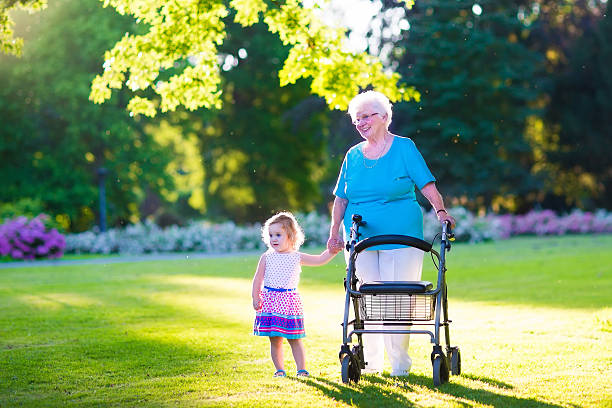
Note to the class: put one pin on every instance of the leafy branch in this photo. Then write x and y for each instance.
(194, 29)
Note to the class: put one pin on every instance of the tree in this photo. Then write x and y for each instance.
(53, 140)
(579, 121)
(265, 150)
(475, 78)
(8, 43)
(190, 32)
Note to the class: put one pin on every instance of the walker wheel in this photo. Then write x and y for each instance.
(346, 365)
(440, 370)
(455, 360)
(356, 371)
(350, 370)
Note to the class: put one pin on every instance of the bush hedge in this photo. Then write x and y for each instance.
(23, 238)
(228, 237)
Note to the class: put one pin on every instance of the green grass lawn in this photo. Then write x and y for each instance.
(67, 257)
(533, 318)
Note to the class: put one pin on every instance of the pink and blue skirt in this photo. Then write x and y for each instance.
(281, 314)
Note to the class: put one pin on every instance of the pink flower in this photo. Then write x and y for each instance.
(23, 239)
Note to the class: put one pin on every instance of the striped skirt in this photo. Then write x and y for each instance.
(281, 315)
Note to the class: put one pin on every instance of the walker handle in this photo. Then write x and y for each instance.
(447, 236)
(355, 234)
(448, 229)
(357, 219)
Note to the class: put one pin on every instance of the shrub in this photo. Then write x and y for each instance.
(21, 238)
(27, 207)
(207, 237)
(546, 222)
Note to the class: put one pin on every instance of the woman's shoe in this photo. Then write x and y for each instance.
(303, 373)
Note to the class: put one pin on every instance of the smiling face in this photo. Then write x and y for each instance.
(279, 240)
(370, 121)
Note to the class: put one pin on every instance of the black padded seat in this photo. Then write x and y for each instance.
(395, 287)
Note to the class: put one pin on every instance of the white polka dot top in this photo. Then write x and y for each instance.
(282, 270)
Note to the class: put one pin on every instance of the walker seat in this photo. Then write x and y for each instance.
(396, 300)
(395, 287)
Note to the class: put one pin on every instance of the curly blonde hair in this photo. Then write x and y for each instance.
(289, 225)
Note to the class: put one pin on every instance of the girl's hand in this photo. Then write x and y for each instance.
(335, 250)
(257, 303)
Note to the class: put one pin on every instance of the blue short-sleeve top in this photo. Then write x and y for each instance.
(383, 191)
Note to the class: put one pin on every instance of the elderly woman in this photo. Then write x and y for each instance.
(377, 181)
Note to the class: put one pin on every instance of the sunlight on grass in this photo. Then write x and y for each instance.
(56, 301)
(40, 302)
(603, 320)
(207, 296)
(532, 319)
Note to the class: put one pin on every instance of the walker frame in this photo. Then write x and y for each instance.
(415, 304)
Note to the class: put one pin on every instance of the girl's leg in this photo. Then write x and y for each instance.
(276, 351)
(299, 354)
(404, 264)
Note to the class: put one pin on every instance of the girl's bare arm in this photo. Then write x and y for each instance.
(258, 282)
(317, 260)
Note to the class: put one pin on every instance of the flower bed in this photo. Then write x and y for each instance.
(21, 238)
(228, 237)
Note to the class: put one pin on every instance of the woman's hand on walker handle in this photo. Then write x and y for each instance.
(444, 216)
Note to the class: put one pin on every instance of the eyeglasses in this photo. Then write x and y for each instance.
(364, 118)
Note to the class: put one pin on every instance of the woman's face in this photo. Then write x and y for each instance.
(370, 120)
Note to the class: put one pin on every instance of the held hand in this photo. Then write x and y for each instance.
(331, 243)
(334, 250)
(334, 244)
(339, 245)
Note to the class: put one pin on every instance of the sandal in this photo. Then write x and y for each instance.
(303, 373)
(280, 373)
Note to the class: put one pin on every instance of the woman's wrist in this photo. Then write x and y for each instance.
(442, 210)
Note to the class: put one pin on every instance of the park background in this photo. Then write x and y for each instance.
(513, 116)
(511, 110)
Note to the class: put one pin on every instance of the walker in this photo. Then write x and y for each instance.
(415, 304)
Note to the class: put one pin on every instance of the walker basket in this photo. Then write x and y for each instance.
(397, 307)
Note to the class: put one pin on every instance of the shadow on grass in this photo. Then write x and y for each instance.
(489, 381)
(360, 395)
(387, 391)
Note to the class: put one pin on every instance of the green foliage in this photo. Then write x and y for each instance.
(476, 81)
(25, 206)
(273, 147)
(53, 140)
(579, 120)
(193, 31)
(265, 150)
(8, 43)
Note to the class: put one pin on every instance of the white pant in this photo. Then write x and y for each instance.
(403, 264)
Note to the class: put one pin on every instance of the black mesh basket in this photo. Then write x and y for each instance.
(397, 307)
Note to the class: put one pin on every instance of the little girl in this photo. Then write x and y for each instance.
(275, 296)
